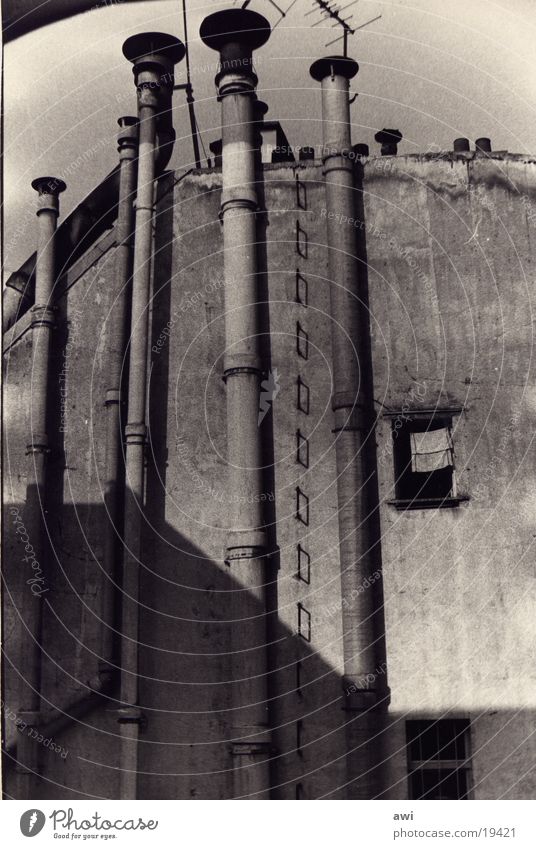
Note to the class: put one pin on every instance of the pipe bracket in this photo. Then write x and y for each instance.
(28, 719)
(253, 749)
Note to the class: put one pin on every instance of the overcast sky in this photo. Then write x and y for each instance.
(433, 69)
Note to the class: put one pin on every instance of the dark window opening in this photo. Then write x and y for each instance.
(424, 461)
(438, 784)
(438, 758)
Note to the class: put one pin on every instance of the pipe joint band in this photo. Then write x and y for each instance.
(246, 545)
(360, 693)
(131, 715)
(246, 552)
(358, 419)
(140, 207)
(48, 204)
(43, 316)
(128, 150)
(136, 433)
(250, 203)
(228, 83)
(247, 361)
(345, 400)
(38, 445)
(234, 371)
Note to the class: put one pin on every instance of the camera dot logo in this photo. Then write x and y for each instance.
(31, 822)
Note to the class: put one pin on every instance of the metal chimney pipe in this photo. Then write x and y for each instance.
(235, 33)
(48, 189)
(154, 55)
(354, 446)
(361, 149)
(117, 338)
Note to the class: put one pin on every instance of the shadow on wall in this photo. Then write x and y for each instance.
(185, 688)
(185, 678)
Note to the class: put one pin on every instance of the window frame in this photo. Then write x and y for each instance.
(438, 765)
(442, 416)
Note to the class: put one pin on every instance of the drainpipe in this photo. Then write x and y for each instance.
(235, 33)
(49, 189)
(127, 140)
(352, 405)
(83, 226)
(153, 56)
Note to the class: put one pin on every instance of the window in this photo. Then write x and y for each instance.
(438, 758)
(424, 460)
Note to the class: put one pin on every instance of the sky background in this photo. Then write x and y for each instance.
(435, 70)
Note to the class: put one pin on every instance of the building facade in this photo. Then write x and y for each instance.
(314, 577)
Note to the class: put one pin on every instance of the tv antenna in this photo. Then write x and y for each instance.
(329, 10)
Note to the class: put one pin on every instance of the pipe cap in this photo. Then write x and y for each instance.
(48, 185)
(241, 26)
(342, 66)
(483, 145)
(461, 145)
(144, 45)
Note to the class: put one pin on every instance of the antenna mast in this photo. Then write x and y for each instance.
(328, 9)
(188, 88)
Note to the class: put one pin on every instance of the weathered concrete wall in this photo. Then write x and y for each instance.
(451, 271)
(451, 317)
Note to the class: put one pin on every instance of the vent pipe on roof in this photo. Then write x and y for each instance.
(35, 523)
(364, 690)
(389, 140)
(461, 145)
(483, 145)
(153, 55)
(235, 33)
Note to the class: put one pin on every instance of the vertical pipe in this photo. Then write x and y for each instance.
(49, 189)
(351, 403)
(235, 33)
(116, 343)
(153, 56)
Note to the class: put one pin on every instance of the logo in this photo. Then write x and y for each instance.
(270, 390)
(31, 822)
